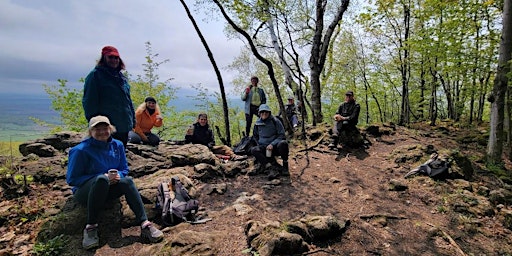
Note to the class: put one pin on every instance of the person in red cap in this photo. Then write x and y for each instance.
(107, 93)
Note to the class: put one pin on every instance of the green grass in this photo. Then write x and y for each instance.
(10, 148)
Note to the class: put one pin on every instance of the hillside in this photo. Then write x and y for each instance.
(386, 214)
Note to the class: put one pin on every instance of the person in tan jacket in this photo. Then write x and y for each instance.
(147, 115)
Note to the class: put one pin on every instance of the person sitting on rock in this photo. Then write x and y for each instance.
(201, 133)
(147, 115)
(270, 135)
(345, 121)
(98, 172)
(290, 112)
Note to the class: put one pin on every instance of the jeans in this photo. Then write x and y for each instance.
(281, 150)
(96, 191)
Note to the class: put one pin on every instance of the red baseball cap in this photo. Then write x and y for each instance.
(109, 51)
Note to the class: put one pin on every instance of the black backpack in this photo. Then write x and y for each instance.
(243, 147)
(176, 204)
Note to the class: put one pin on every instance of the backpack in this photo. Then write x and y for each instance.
(245, 144)
(176, 204)
(435, 167)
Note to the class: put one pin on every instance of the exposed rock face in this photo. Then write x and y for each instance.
(46, 160)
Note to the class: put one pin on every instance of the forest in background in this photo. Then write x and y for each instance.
(406, 61)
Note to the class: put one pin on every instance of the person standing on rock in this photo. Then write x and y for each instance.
(148, 115)
(253, 97)
(270, 135)
(98, 172)
(107, 93)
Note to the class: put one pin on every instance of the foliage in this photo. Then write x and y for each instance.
(53, 247)
(67, 101)
(9, 148)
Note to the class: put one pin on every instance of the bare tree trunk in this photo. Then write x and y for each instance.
(405, 68)
(254, 50)
(319, 51)
(495, 146)
(217, 72)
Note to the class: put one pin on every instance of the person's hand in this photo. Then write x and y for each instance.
(113, 176)
(247, 90)
(338, 117)
(159, 117)
(270, 147)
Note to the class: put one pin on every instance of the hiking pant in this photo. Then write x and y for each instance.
(153, 139)
(122, 136)
(343, 131)
(97, 191)
(248, 118)
(281, 150)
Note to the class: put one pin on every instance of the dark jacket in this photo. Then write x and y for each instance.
(197, 134)
(351, 110)
(269, 131)
(107, 93)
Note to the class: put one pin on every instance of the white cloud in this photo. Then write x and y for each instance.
(46, 40)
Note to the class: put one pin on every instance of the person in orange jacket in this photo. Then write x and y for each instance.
(148, 115)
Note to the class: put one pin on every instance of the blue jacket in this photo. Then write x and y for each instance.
(269, 131)
(247, 98)
(107, 93)
(92, 157)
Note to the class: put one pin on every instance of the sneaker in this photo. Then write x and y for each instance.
(151, 233)
(331, 145)
(91, 239)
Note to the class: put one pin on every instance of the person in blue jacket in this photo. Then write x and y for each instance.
(270, 135)
(98, 171)
(253, 97)
(107, 93)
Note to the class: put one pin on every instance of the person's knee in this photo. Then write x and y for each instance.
(102, 178)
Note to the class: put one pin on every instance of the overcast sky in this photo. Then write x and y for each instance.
(42, 41)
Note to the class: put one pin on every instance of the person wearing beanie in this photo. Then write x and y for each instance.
(345, 120)
(147, 116)
(271, 141)
(253, 97)
(98, 171)
(107, 93)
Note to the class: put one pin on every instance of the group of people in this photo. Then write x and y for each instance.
(98, 169)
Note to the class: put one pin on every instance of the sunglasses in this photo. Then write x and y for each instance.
(112, 57)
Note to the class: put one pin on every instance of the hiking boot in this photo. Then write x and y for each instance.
(91, 239)
(151, 233)
(285, 171)
(273, 173)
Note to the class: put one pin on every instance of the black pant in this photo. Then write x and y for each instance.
(281, 150)
(248, 119)
(122, 136)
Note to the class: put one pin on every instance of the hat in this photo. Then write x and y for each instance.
(98, 120)
(349, 93)
(290, 98)
(109, 51)
(264, 107)
(150, 99)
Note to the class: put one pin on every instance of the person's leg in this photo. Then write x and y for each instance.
(259, 153)
(335, 134)
(122, 136)
(154, 140)
(283, 151)
(248, 123)
(134, 138)
(127, 187)
(93, 194)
